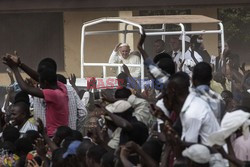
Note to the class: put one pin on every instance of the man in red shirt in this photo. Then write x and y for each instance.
(54, 93)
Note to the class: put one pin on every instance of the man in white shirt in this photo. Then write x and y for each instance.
(191, 57)
(121, 54)
(197, 118)
(176, 50)
(20, 117)
(202, 76)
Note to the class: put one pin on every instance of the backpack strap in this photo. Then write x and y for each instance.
(193, 57)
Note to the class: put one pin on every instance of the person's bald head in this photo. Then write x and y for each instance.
(175, 43)
(159, 46)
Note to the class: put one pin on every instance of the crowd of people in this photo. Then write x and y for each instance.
(196, 114)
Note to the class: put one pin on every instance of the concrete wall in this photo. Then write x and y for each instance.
(130, 36)
(98, 48)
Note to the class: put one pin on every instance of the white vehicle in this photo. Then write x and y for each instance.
(137, 23)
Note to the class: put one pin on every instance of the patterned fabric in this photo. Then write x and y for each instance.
(190, 61)
(77, 110)
(39, 109)
(160, 77)
(213, 99)
(29, 125)
(176, 56)
(197, 119)
(7, 159)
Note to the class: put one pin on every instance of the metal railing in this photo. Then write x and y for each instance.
(149, 32)
(105, 65)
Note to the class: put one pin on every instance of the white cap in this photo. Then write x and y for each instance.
(217, 160)
(124, 44)
(118, 107)
(231, 122)
(197, 153)
(187, 38)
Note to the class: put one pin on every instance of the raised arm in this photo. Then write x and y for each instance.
(131, 80)
(114, 57)
(72, 81)
(46, 138)
(140, 46)
(32, 73)
(154, 70)
(124, 154)
(118, 121)
(10, 73)
(23, 85)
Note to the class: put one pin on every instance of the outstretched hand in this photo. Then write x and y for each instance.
(72, 79)
(7, 61)
(41, 147)
(15, 58)
(117, 47)
(12, 60)
(125, 152)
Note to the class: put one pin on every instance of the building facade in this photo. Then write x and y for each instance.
(43, 28)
